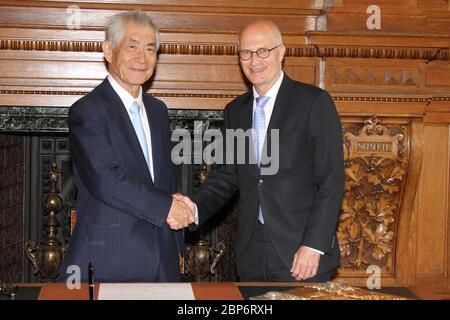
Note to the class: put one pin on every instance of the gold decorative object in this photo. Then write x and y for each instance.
(326, 291)
(376, 161)
(7, 289)
(201, 259)
(202, 176)
(47, 257)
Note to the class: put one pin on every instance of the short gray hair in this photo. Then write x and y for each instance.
(114, 26)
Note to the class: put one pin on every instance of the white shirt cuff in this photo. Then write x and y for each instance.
(318, 251)
(196, 214)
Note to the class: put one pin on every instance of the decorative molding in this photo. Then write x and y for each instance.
(42, 92)
(54, 119)
(26, 119)
(210, 49)
(51, 45)
(155, 94)
(194, 95)
(426, 100)
(368, 52)
(382, 99)
(198, 49)
(305, 51)
(303, 8)
(441, 99)
(380, 76)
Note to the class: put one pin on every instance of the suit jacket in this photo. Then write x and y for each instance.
(121, 212)
(301, 202)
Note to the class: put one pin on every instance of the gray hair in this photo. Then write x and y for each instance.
(114, 26)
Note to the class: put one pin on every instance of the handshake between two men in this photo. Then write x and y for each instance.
(181, 213)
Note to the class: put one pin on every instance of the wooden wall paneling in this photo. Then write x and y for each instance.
(188, 62)
(166, 17)
(46, 78)
(446, 201)
(351, 16)
(419, 16)
(52, 66)
(383, 105)
(183, 5)
(374, 76)
(405, 266)
(432, 231)
(436, 77)
(437, 117)
(303, 69)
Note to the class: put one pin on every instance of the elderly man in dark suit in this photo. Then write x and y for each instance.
(120, 144)
(287, 218)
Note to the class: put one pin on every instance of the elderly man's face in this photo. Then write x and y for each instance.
(262, 73)
(132, 61)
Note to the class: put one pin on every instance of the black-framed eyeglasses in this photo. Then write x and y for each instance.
(263, 53)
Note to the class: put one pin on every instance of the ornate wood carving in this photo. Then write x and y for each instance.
(376, 162)
(385, 99)
(214, 49)
(50, 45)
(345, 75)
(380, 52)
(356, 98)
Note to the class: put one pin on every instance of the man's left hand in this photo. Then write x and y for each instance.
(305, 264)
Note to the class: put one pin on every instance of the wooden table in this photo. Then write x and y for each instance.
(222, 291)
(202, 291)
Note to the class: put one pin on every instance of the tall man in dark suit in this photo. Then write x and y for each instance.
(286, 220)
(120, 145)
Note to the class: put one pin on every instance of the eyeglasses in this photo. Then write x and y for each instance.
(263, 53)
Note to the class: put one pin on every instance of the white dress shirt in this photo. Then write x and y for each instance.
(272, 93)
(127, 100)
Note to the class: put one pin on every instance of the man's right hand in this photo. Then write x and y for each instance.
(180, 215)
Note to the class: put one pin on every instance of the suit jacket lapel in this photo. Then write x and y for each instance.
(246, 113)
(155, 133)
(280, 112)
(246, 123)
(120, 115)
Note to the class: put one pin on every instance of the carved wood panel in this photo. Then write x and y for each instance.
(376, 165)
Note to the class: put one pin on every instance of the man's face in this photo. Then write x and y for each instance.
(133, 60)
(262, 73)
